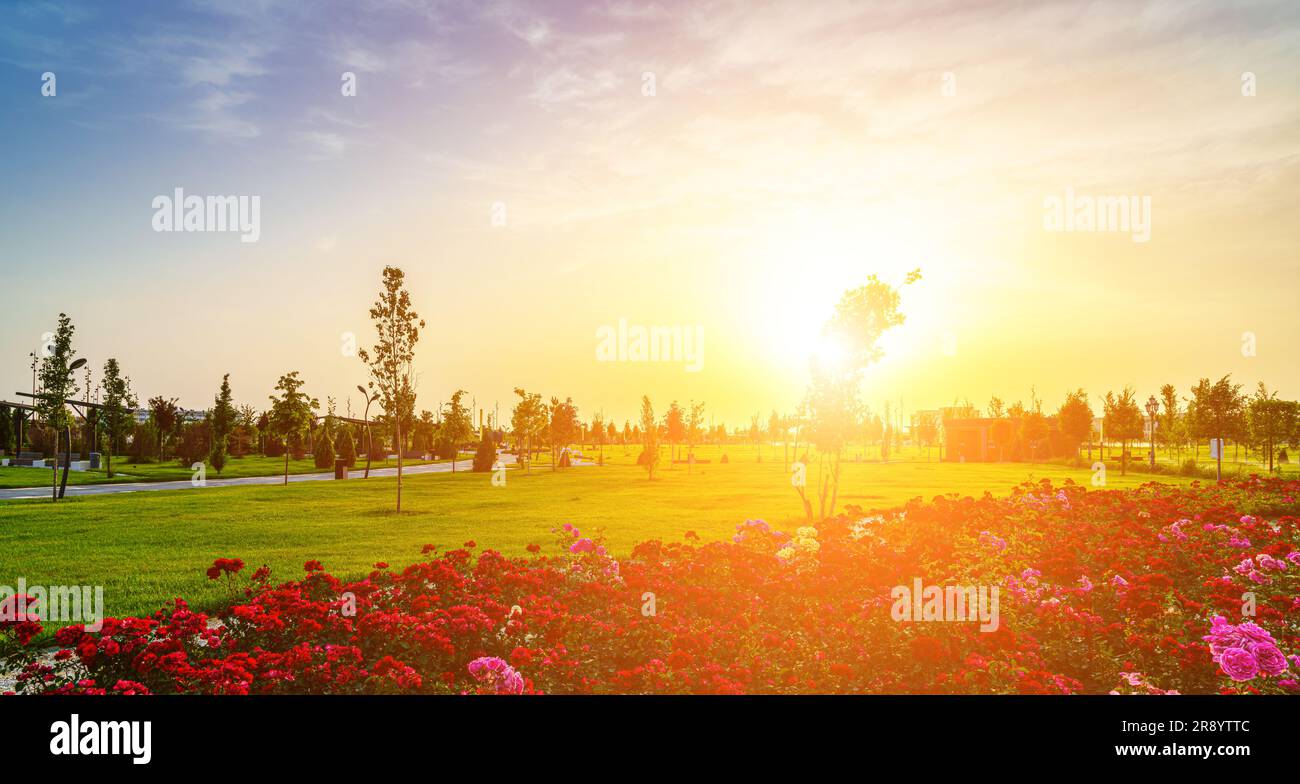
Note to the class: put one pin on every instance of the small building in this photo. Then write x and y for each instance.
(977, 439)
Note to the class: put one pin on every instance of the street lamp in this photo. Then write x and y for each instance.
(366, 417)
(1153, 406)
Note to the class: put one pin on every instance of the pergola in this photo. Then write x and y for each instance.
(81, 407)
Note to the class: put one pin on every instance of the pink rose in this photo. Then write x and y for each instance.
(1239, 664)
(1271, 659)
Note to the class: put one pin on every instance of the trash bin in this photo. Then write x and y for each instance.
(340, 469)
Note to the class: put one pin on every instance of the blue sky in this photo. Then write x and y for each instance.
(791, 148)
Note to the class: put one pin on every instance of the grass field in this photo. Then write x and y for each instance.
(147, 547)
(171, 470)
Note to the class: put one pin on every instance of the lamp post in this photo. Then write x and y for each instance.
(366, 417)
(1153, 406)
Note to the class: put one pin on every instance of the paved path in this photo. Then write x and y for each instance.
(185, 484)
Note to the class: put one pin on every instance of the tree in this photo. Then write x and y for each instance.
(7, 430)
(755, 435)
(165, 415)
(649, 438)
(1123, 421)
(860, 318)
(1217, 408)
(927, 429)
(322, 445)
(57, 385)
(1074, 418)
(996, 409)
(1268, 420)
(776, 429)
(674, 430)
(346, 446)
(562, 427)
(486, 454)
(118, 402)
(291, 413)
(694, 432)
(1033, 426)
(223, 423)
(833, 413)
(391, 360)
(1168, 428)
(457, 427)
(527, 421)
(245, 434)
(599, 435)
(193, 443)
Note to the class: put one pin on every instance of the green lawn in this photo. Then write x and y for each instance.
(171, 470)
(149, 546)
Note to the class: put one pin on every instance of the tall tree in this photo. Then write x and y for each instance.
(8, 433)
(694, 431)
(1123, 421)
(649, 438)
(1168, 427)
(1217, 409)
(861, 317)
(1074, 418)
(674, 430)
(57, 385)
(1268, 420)
(223, 423)
(165, 415)
(562, 428)
(527, 421)
(391, 361)
(118, 402)
(291, 413)
(599, 435)
(457, 426)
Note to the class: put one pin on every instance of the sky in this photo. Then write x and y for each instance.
(543, 171)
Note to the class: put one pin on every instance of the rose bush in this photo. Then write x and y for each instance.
(1155, 590)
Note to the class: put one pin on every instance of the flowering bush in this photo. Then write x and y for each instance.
(1155, 590)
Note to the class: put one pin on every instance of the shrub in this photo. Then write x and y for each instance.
(142, 444)
(347, 450)
(193, 444)
(486, 455)
(217, 457)
(41, 439)
(323, 451)
(273, 447)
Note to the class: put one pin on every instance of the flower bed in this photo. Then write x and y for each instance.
(1101, 591)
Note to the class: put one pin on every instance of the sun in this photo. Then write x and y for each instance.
(810, 262)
